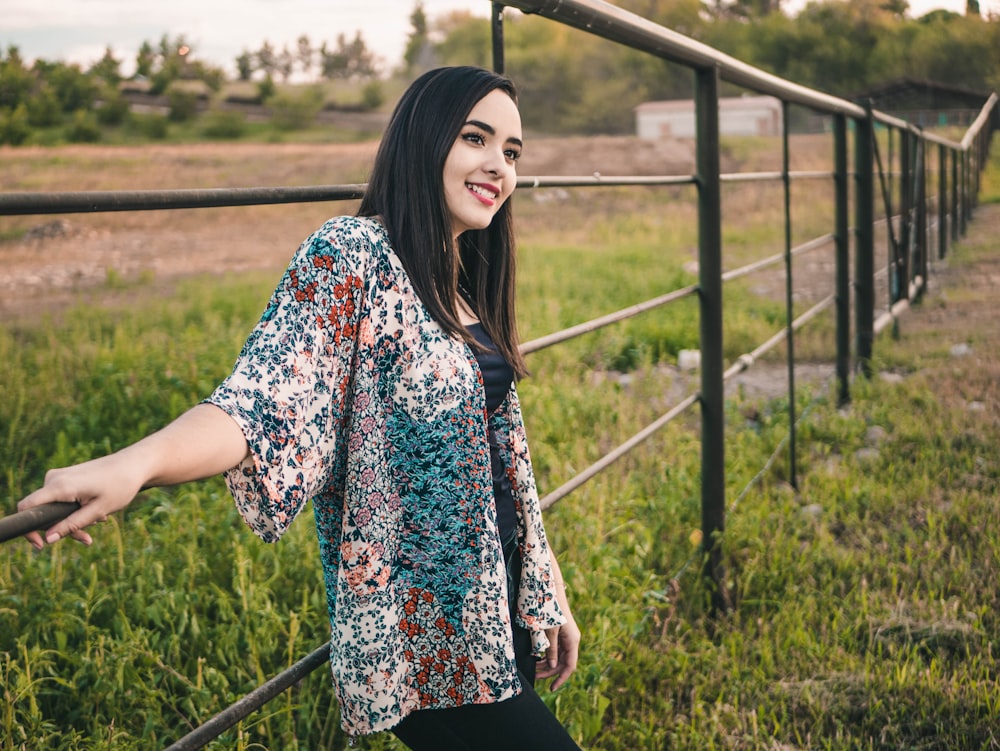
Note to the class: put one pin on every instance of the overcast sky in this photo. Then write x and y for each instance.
(219, 30)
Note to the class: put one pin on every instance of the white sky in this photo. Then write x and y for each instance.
(219, 30)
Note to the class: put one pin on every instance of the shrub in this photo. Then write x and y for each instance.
(44, 109)
(296, 112)
(372, 96)
(183, 105)
(83, 128)
(14, 126)
(154, 127)
(114, 108)
(265, 89)
(74, 89)
(223, 125)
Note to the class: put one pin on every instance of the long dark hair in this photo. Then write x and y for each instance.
(406, 190)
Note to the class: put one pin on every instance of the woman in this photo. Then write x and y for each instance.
(380, 384)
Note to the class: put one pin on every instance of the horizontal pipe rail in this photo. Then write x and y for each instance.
(220, 723)
(599, 180)
(750, 177)
(806, 247)
(34, 519)
(745, 361)
(980, 122)
(612, 456)
(92, 201)
(899, 307)
(15, 204)
(598, 323)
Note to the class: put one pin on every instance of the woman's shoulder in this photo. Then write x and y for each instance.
(347, 231)
(353, 240)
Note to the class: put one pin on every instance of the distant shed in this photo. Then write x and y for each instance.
(738, 116)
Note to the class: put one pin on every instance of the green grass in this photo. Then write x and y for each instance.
(865, 601)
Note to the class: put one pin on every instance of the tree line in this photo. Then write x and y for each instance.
(570, 82)
(574, 82)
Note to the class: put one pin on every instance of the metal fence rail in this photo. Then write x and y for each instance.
(908, 227)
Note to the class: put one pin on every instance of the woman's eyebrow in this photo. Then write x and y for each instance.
(492, 131)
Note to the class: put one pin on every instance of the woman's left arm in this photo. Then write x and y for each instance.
(564, 641)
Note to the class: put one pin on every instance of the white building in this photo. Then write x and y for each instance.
(738, 116)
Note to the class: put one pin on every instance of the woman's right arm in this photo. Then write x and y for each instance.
(202, 442)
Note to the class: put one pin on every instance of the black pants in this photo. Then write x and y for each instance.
(522, 723)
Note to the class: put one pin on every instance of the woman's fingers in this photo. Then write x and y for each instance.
(562, 654)
(98, 492)
(568, 654)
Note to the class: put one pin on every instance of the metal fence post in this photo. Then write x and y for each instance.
(920, 266)
(963, 214)
(955, 224)
(789, 294)
(843, 279)
(496, 32)
(942, 208)
(713, 460)
(901, 260)
(864, 251)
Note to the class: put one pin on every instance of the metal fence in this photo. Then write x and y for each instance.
(916, 222)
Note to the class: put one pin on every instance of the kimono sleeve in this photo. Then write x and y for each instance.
(289, 386)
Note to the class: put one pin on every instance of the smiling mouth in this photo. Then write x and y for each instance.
(483, 193)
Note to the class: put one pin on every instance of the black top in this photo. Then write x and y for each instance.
(497, 378)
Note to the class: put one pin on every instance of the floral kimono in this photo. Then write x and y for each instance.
(351, 395)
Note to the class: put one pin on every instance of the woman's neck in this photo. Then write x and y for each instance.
(466, 315)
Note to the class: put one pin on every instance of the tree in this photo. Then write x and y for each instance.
(14, 127)
(170, 63)
(108, 68)
(267, 60)
(44, 109)
(350, 60)
(746, 9)
(16, 81)
(244, 66)
(306, 55)
(465, 39)
(145, 59)
(285, 63)
(332, 63)
(418, 40)
(363, 63)
(74, 89)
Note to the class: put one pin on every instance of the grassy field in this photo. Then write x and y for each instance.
(865, 599)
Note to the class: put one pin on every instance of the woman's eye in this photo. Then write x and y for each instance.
(512, 154)
(475, 138)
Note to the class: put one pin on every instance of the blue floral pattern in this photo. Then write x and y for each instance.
(351, 395)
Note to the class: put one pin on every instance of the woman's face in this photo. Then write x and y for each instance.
(479, 172)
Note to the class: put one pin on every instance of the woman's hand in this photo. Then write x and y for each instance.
(101, 487)
(562, 654)
(564, 641)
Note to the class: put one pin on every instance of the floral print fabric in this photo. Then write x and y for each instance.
(351, 395)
